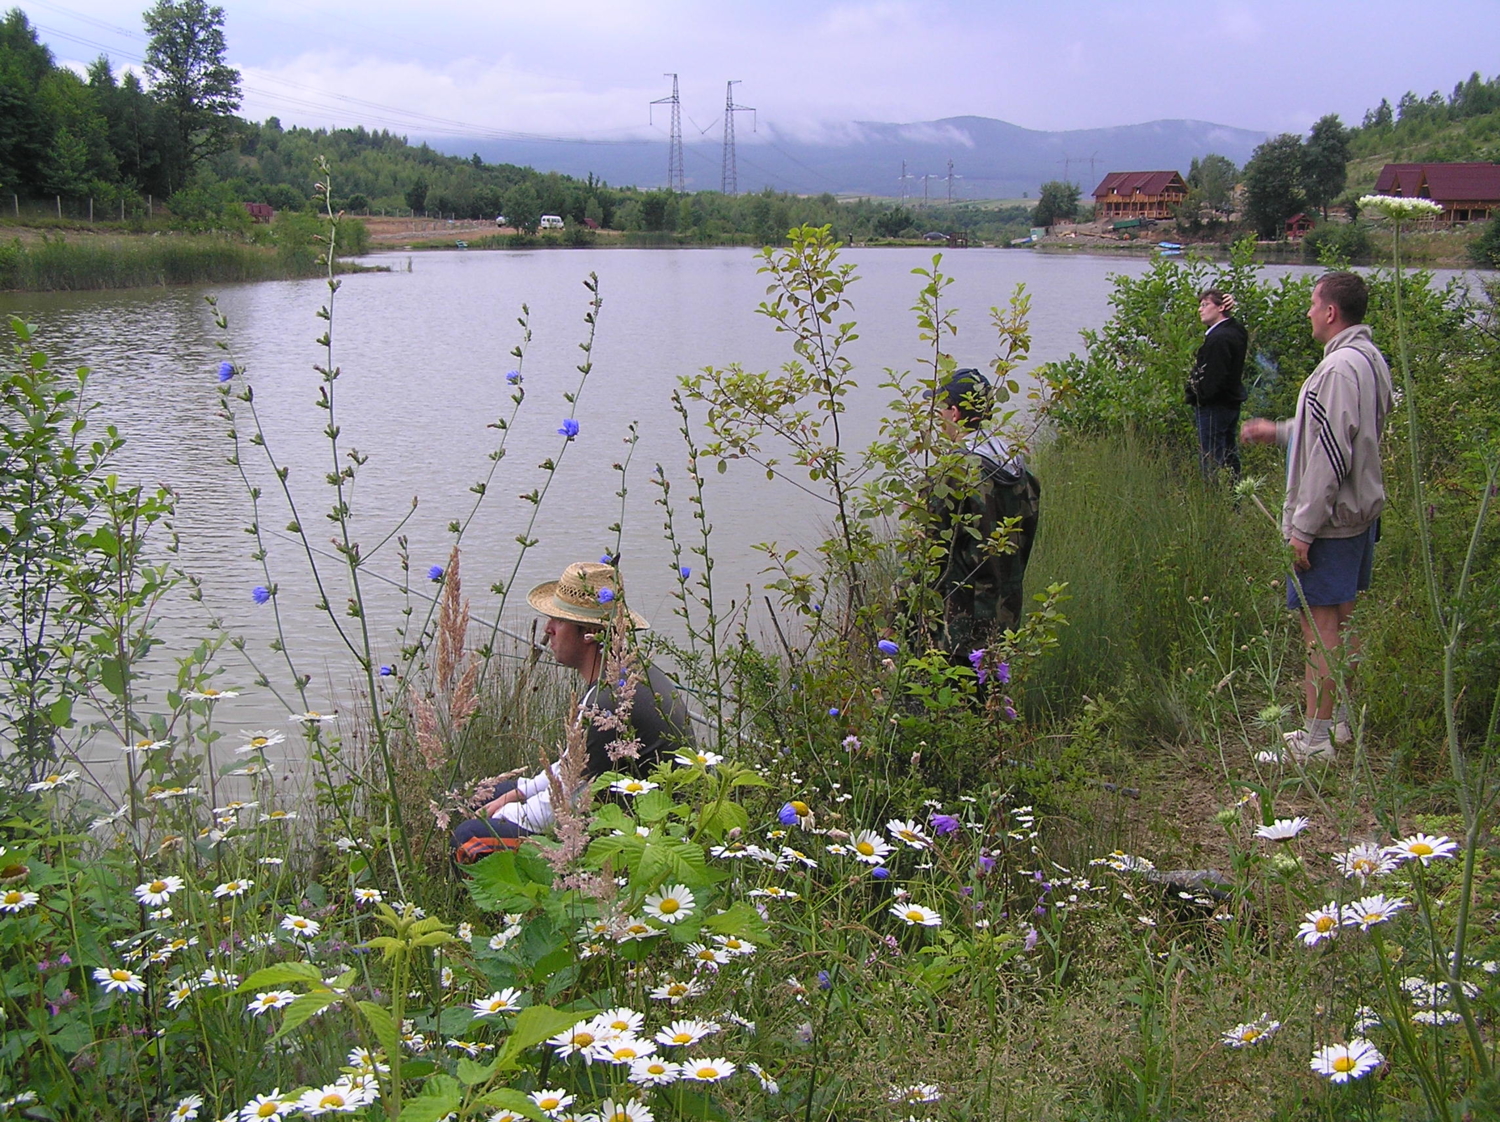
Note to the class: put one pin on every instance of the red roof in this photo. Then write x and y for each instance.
(1138, 183)
(1442, 183)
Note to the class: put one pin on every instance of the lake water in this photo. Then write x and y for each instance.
(424, 355)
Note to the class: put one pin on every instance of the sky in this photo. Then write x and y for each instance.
(590, 68)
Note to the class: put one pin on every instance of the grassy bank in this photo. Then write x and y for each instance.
(71, 262)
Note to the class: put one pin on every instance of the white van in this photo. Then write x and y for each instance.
(551, 222)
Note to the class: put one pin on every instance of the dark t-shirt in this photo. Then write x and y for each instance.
(658, 717)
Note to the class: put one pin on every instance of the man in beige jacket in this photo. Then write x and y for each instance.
(1334, 492)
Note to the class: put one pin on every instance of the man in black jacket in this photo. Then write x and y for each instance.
(1215, 388)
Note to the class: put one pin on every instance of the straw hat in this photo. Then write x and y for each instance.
(586, 593)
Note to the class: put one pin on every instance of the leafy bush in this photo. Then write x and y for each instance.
(1344, 241)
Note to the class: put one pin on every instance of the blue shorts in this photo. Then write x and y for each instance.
(1341, 569)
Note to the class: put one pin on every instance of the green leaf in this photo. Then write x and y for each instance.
(283, 973)
(304, 1007)
(740, 920)
(60, 712)
(725, 817)
(471, 1072)
(534, 1025)
(653, 806)
(695, 1104)
(383, 1025)
(440, 1096)
(611, 817)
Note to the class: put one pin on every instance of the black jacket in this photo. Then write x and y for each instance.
(1218, 371)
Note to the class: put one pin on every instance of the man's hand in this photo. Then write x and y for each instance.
(1258, 430)
(492, 807)
(1299, 555)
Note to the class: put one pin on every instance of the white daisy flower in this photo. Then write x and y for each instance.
(507, 1000)
(186, 1109)
(917, 1093)
(210, 694)
(734, 945)
(671, 904)
(145, 744)
(15, 899)
(1370, 910)
(767, 1084)
(690, 758)
(1251, 1033)
(343, 1097)
(300, 926)
(915, 914)
(653, 1071)
(681, 1034)
(278, 816)
(707, 1071)
(119, 980)
(624, 1049)
(870, 847)
(52, 782)
(632, 787)
(703, 957)
(267, 1108)
(1320, 924)
(549, 1102)
(623, 1110)
(1343, 1062)
(312, 717)
(259, 741)
(232, 888)
(676, 992)
(368, 1062)
(163, 794)
(271, 999)
(472, 1048)
(907, 831)
(157, 892)
(775, 892)
(214, 976)
(635, 929)
(1422, 847)
(576, 1041)
(368, 896)
(621, 1021)
(1283, 829)
(1364, 860)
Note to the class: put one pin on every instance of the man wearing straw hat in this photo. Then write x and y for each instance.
(579, 607)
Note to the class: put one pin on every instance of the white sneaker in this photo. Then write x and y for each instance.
(1301, 747)
(1342, 733)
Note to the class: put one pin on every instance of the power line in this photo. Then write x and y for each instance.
(674, 146)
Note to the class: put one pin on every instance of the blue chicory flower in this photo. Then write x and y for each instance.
(824, 981)
(606, 595)
(569, 428)
(788, 815)
(260, 594)
(387, 671)
(226, 371)
(513, 377)
(887, 647)
(686, 571)
(880, 872)
(944, 823)
(833, 712)
(435, 573)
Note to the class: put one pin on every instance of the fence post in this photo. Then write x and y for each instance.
(15, 201)
(59, 206)
(91, 210)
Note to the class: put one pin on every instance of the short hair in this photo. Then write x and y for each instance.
(1347, 293)
(1215, 294)
(968, 391)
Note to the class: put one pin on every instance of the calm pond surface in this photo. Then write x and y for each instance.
(424, 356)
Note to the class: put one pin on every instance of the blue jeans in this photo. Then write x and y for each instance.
(1218, 442)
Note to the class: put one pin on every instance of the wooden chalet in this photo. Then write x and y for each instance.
(260, 212)
(1466, 192)
(1138, 194)
(1298, 225)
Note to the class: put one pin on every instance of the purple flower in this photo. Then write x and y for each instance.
(788, 815)
(887, 647)
(880, 872)
(833, 712)
(226, 371)
(260, 594)
(569, 428)
(1032, 935)
(606, 559)
(387, 671)
(1002, 673)
(986, 863)
(606, 595)
(435, 573)
(686, 571)
(944, 823)
(976, 657)
(513, 377)
(824, 982)
(1010, 709)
